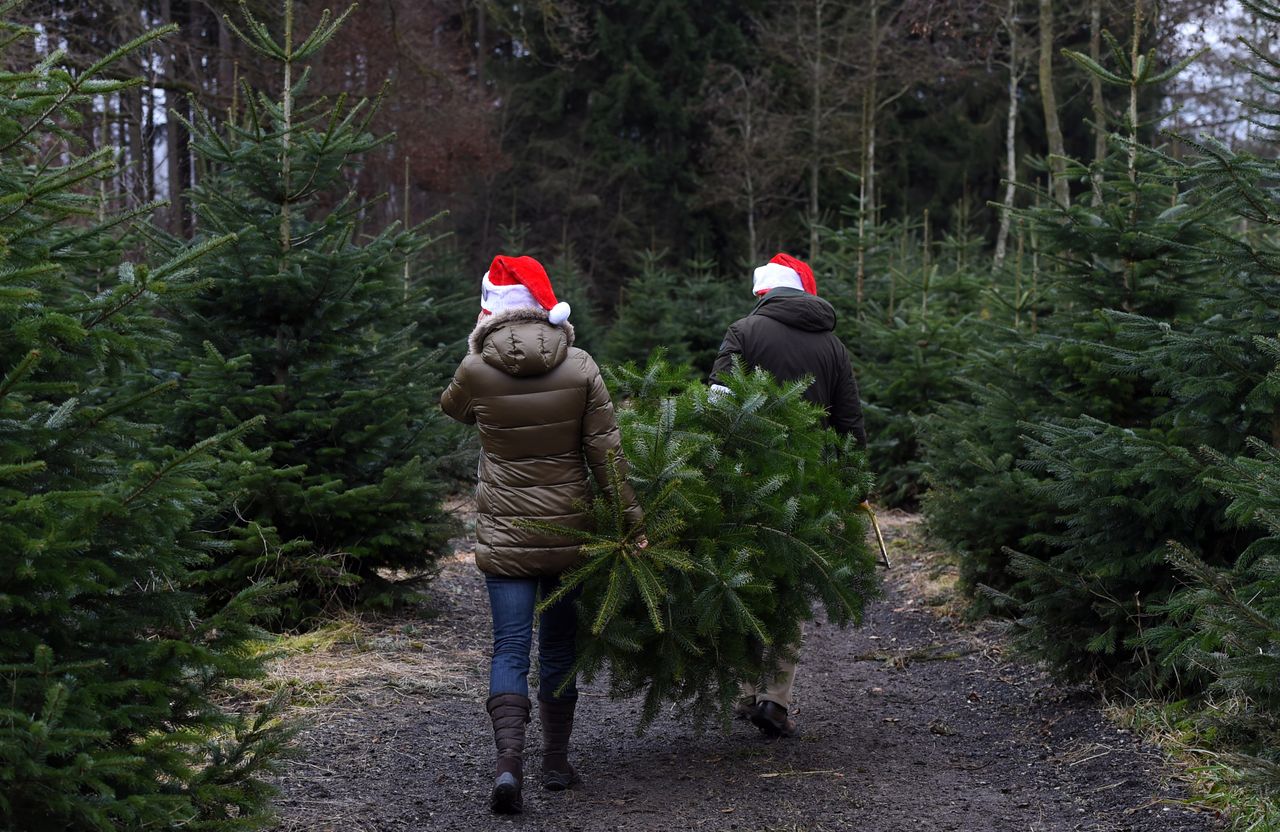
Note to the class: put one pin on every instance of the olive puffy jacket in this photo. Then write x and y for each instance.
(545, 417)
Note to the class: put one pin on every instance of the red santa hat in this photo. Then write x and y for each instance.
(519, 283)
(784, 270)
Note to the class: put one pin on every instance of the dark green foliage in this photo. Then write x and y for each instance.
(1148, 354)
(1226, 626)
(1175, 366)
(571, 287)
(1121, 495)
(683, 313)
(605, 100)
(752, 513)
(1135, 252)
(107, 671)
(310, 322)
(909, 335)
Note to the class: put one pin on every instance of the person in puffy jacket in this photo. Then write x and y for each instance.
(791, 334)
(546, 424)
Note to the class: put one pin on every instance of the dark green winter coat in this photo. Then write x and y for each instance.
(545, 418)
(791, 334)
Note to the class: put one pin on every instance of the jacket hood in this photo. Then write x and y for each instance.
(521, 342)
(798, 310)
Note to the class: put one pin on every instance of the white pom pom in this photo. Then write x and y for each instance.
(559, 313)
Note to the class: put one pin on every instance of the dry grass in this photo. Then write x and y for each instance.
(928, 575)
(357, 662)
(1207, 775)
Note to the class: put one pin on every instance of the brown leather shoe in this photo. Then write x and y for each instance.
(772, 720)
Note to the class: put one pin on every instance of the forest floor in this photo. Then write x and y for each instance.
(915, 721)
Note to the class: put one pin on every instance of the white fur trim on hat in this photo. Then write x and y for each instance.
(773, 276)
(559, 313)
(498, 299)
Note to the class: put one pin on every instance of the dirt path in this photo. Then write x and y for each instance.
(910, 723)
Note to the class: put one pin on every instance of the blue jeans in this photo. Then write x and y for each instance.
(511, 601)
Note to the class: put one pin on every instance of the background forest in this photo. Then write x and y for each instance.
(242, 245)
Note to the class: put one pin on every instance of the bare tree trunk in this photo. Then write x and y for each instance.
(1135, 54)
(815, 162)
(149, 143)
(226, 70)
(407, 219)
(873, 80)
(1130, 276)
(1010, 138)
(481, 37)
(1053, 127)
(104, 140)
(1099, 104)
(867, 185)
(286, 230)
(174, 145)
(138, 166)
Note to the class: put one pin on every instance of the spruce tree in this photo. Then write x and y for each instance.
(308, 320)
(752, 516)
(1225, 626)
(1183, 376)
(108, 719)
(606, 99)
(909, 332)
(683, 313)
(1039, 392)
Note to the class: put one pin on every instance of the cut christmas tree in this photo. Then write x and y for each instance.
(752, 512)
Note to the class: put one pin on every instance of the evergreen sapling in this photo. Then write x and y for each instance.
(109, 673)
(308, 320)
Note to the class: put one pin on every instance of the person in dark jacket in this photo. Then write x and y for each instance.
(546, 423)
(791, 334)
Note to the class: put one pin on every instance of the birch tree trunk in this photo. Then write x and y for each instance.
(1010, 137)
(175, 139)
(1099, 104)
(132, 112)
(226, 69)
(815, 123)
(1052, 125)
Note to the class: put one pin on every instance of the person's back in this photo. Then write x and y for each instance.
(541, 410)
(546, 425)
(791, 334)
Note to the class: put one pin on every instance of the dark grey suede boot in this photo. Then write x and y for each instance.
(557, 725)
(510, 713)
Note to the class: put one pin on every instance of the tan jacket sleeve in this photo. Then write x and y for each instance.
(601, 440)
(455, 401)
